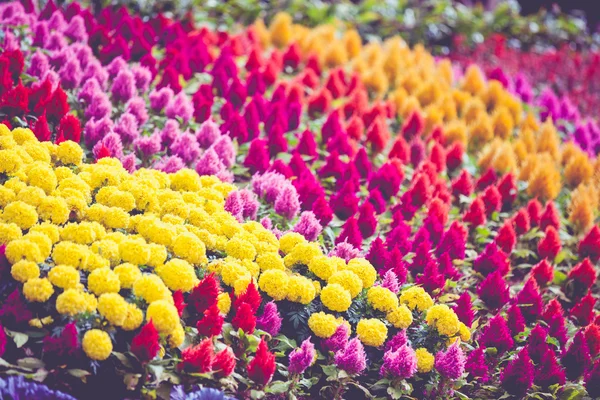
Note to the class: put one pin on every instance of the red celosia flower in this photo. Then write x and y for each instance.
(399, 236)
(333, 167)
(537, 343)
(16, 62)
(494, 291)
(15, 309)
(581, 278)
(250, 296)
(146, 344)
(530, 300)
(212, 322)
(378, 135)
(320, 102)
(355, 128)
(589, 246)
(57, 107)
(292, 56)
(549, 371)
(65, 344)
(584, 310)
(542, 272)
(453, 242)
(553, 316)
(417, 152)
(550, 217)
(262, 366)
(447, 267)
(438, 157)
(422, 257)
(576, 359)
(534, 209)
(462, 185)
(387, 179)
(549, 246)
(15, 101)
(224, 363)
(377, 200)
(351, 234)
(396, 264)
(255, 60)
(431, 280)
(400, 150)
(245, 318)
(515, 320)
(41, 130)
(363, 166)
(487, 179)
(521, 222)
(492, 260)
(496, 334)
(309, 79)
(413, 125)
(204, 295)
(454, 156)
(377, 255)
(464, 309)
(506, 237)
(322, 211)
(508, 190)
(306, 144)
(517, 376)
(257, 159)
(103, 153)
(69, 129)
(199, 358)
(592, 337)
(367, 223)
(276, 140)
(492, 200)
(345, 202)
(335, 84)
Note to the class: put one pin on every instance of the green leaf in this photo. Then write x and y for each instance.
(30, 363)
(394, 393)
(329, 370)
(278, 387)
(559, 278)
(257, 394)
(19, 338)
(78, 373)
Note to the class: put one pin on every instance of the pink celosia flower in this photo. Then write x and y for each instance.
(160, 98)
(301, 358)
(127, 128)
(208, 133)
(270, 320)
(137, 107)
(186, 147)
(401, 363)
(352, 357)
(123, 87)
(180, 106)
(451, 363)
(308, 226)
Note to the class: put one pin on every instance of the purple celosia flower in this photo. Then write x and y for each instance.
(270, 320)
(269, 185)
(344, 250)
(225, 175)
(39, 64)
(287, 203)
(302, 358)
(160, 98)
(142, 76)
(123, 87)
(338, 340)
(95, 130)
(148, 145)
(137, 107)
(401, 363)
(127, 127)
(397, 341)
(476, 364)
(225, 150)
(55, 41)
(169, 132)
(186, 147)
(117, 65)
(517, 376)
(451, 363)
(90, 88)
(308, 226)
(233, 205)
(84, 54)
(209, 163)
(41, 34)
(129, 163)
(180, 106)
(250, 204)
(99, 107)
(390, 281)
(169, 164)
(208, 133)
(266, 223)
(95, 71)
(75, 30)
(70, 74)
(352, 357)
(57, 21)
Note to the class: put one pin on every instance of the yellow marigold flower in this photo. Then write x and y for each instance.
(190, 248)
(281, 29)
(425, 360)
(23, 249)
(43, 177)
(37, 151)
(364, 270)
(416, 297)
(288, 241)
(268, 261)
(69, 152)
(224, 303)
(443, 319)
(177, 337)
(72, 254)
(544, 182)
(23, 271)
(128, 274)
(464, 332)
(371, 332)
(38, 290)
(107, 249)
(21, 214)
(323, 325)
(322, 267)
(382, 299)
(134, 318)
(97, 344)
(241, 285)
(116, 218)
(9, 232)
(178, 275)
(151, 288)
(158, 255)
(47, 229)
(335, 297)
(7, 196)
(82, 233)
(274, 283)
(53, 209)
(300, 290)
(164, 316)
(241, 249)
(578, 170)
(10, 162)
(64, 276)
(22, 135)
(30, 195)
(71, 302)
(96, 261)
(401, 317)
(232, 271)
(113, 307)
(103, 280)
(134, 251)
(349, 280)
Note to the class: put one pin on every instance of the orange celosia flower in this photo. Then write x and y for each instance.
(502, 122)
(544, 183)
(548, 140)
(281, 30)
(473, 109)
(584, 200)
(456, 131)
(480, 132)
(473, 81)
(578, 170)
(352, 43)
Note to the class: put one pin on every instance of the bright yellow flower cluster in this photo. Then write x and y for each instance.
(425, 360)
(371, 332)
(441, 317)
(416, 297)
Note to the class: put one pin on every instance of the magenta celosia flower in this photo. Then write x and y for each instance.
(142, 76)
(233, 205)
(390, 281)
(160, 98)
(136, 106)
(75, 30)
(592, 381)
(451, 363)
(99, 107)
(387, 179)
(589, 246)
(494, 291)
(338, 340)
(515, 320)
(127, 128)
(169, 132)
(95, 130)
(117, 65)
(225, 150)
(491, 260)
(90, 89)
(400, 363)
(186, 147)
(453, 242)
(57, 21)
(269, 185)
(308, 226)
(345, 250)
(301, 358)
(352, 357)
(123, 87)
(350, 233)
(257, 159)
(287, 203)
(377, 255)
(55, 41)
(41, 34)
(549, 372)
(250, 203)
(209, 163)
(536, 343)
(431, 279)
(95, 71)
(113, 143)
(476, 365)
(464, 309)
(169, 164)
(530, 300)
(39, 64)
(270, 320)
(129, 163)
(208, 133)
(399, 340)
(180, 106)
(496, 334)
(148, 145)
(584, 310)
(517, 376)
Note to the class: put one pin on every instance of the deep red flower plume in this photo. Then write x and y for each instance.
(224, 363)
(462, 185)
(542, 272)
(205, 294)
(584, 310)
(515, 319)
(507, 237)
(212, 322)
(530, 300)
(521, 222)
(534, 209)
(577, 360)
(250, 296)
(262, 366)
(145, 345)
(508, 190)
(413, 125)
(517, 376)
(464, 309)
(245, 318)
(549, 246)
(589, 246)
(199, 358)
(550, 217)
(494, 291)
(496, 334)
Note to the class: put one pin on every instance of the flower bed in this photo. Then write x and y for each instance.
(283, 211)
